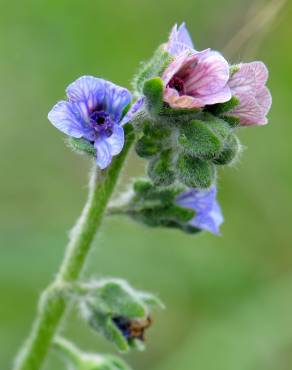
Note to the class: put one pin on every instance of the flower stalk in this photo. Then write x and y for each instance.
(52, 305)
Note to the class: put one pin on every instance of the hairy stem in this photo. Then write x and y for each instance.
(52, 305)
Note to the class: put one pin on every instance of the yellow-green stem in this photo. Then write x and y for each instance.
(52, 305)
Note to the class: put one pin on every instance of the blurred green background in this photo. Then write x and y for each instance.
(229, 299)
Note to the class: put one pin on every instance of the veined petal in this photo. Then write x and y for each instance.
(209, 75)
(264, 99)
(179, 40)
(175, 66)
(87, 89)
(103, 153)
(68, 118)
(249, 111)
(116, 140)
(135, 108)
(249, 79)
(222, 96)
(175, 100)
(172, 97)
(184, 37)
(116, 98)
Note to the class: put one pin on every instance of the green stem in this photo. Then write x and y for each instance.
(52, 305)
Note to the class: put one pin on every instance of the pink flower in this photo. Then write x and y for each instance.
(248, 85)
(193, 81)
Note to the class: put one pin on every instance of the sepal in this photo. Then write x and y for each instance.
(156, 206)
(153, 68)
(161, 169)
(81, 146)
(195, 172)
(197, 139)
(75, 359)
(230, 152)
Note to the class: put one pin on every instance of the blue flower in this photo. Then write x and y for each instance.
(93, 111)
(208, 213)
(179, 41)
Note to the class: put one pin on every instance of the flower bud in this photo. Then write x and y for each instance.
(118, 312)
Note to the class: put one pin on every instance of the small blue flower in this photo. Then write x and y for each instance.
(94, 112)
(208, 213)
(179, 41)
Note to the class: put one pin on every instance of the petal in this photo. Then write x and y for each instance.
(184, 37)
(210, 221)
(179, 41)
(249, 111)
(86, 89)
(250, 78)
(116, 140)
(221, 96)
(68, 118)
(116, 98)
(264, 99)
(176, 101)
(203, 202)
(135, 108)
(175, 66)
(209, 75)
(103, 154)
(172, 97)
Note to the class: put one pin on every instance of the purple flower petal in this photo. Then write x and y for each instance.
(208, 213)
(93, 112)
(87, 89)
(103, 153)
(179, 40)
(68, 118)
(135, 108)
(116, 98)
(116, 140)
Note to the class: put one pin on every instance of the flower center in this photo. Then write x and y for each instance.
(177, 84)
(101, 123)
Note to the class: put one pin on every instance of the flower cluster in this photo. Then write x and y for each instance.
(187, 106)
(183, 114)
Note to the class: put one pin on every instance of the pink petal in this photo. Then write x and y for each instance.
(221, 96)
(249, 78)
(264, 99)
(249, 112)
(209, 75)
(174, 67)
(172, 97)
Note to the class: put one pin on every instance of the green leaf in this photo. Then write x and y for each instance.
(195, 172)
